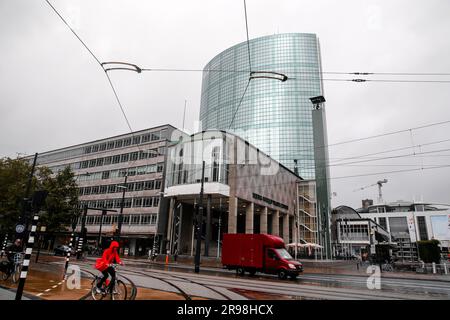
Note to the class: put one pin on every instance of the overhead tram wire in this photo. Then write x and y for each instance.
(105, 70)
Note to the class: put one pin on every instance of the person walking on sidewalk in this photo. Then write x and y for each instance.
(103, 265)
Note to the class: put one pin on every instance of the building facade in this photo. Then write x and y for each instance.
(409, 222)
(354, 235)
(277, 117)
(245, 191)
(100, 169)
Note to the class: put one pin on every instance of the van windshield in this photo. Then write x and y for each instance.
(284, 254)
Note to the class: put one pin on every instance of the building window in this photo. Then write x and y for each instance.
(102, 147)
(107, 161)
(118, 143)
(116, 159)
(149, 185)
(127, 142)
(139, 186)
(423, 234)
(110, 145)
(105, 175)
(135, 219)
(157, 184)
(160, 168)
(137, 140)
(127, 203)
(134, 156)
(95, 190)
(95, 148)
(103, 189)
(155, 201)
(84, 164)
(147, 202)
(124, 157)
(137, 202)
(87, 191)
(382, 222)
(112, 188)
(145, 138)
(132, 171)
(146, 219)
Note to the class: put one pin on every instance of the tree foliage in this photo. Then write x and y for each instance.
(62, 197)
(429, 251)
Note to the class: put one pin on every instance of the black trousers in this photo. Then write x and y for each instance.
(106, 273)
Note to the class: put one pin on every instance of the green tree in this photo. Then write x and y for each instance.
(59, 205)
(429, 251)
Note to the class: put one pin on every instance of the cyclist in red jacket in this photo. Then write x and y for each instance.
(103, 264)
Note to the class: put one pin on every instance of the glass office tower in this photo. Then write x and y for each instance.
(275, 116)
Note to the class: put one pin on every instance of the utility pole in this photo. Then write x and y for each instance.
(199, 222)
(82, 238)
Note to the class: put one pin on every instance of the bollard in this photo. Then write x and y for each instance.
(434, 267)
(445, 268)
(167, 259)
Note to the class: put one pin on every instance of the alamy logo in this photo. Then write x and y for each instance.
(374, 280)
(74, 279)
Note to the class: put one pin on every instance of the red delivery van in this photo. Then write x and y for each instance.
(258, 253)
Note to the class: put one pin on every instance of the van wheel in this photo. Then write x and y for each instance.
(282, 274)
(294, 276)
(252, 272)
(240, 271)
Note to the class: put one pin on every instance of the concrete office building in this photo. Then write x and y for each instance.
(409, 222)
(100, 168)
(276, 116)
(245, 191)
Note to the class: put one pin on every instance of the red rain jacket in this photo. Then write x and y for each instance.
(109, 256)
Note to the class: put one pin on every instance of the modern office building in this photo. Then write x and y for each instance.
(409, 222)
(245, 191)
(275, 116)
(356, 235)
(100, 169)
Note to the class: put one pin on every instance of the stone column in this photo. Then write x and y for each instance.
(276, 223)
(232, 214)
(249, 216)
(286, 228)
(263, 221)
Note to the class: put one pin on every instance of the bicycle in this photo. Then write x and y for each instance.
(117, 289)
(14, 270)
(387, 267)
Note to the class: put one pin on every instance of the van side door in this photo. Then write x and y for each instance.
(272, 261)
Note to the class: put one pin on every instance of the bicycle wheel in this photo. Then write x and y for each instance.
(94, 294)
(4, 275)
(120, 291)
(16, 273)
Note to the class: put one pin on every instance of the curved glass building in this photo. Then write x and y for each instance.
(274, 116)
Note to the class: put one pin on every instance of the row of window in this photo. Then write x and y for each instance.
(137, 202)
(125, 142)
(125, 157)
(130, 219)
(113, 188)
(118, 173)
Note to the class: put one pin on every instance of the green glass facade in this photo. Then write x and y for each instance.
(274, 116)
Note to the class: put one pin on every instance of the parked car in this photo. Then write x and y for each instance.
(258, 253)
(61, 250)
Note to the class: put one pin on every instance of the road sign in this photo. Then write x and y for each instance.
(20, 228)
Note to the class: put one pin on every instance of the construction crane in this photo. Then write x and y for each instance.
(380, 184)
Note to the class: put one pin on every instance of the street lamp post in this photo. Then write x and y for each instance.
(124, 188)
(100, 228)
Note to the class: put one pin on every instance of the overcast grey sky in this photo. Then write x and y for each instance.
(53, 94)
